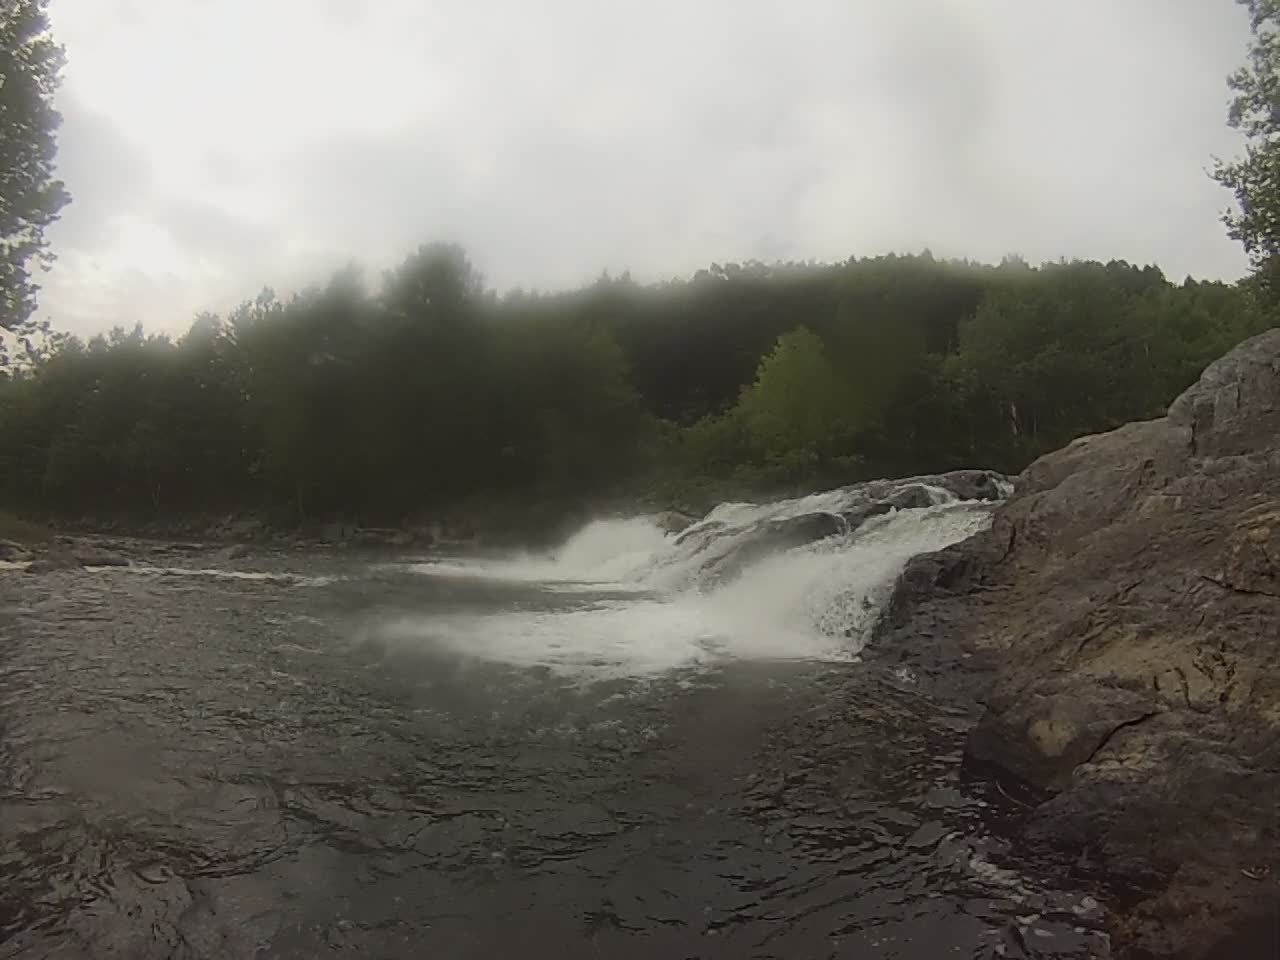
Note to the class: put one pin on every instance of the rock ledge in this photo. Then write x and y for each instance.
(1129, 595)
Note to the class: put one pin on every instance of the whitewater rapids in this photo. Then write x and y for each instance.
(640, 601)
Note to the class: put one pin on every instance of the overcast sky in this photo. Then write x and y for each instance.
(217, 146)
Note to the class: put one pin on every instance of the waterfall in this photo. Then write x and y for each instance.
(803, 578)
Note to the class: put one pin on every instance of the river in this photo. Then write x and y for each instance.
(604, 752)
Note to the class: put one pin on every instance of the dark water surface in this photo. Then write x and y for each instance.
(203, 767)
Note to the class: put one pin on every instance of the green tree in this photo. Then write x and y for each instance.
(798, 408)
(570, 420)
(30, 197)
(1255, 111)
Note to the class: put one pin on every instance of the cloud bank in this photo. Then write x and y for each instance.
(214, 148)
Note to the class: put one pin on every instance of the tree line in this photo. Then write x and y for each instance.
(428, 391)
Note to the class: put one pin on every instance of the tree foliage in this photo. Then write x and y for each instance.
(1254, 178)
(799, 410)
(426, 392)
(30, 196)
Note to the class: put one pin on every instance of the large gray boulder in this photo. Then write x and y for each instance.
(1129, 593)
(674, 521)
(973, 484)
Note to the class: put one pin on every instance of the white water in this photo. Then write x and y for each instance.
(279, 579)
(283, 579)
(819, 601)
(603, 552)
(624, 598)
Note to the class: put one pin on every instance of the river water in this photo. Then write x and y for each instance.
(591, 754)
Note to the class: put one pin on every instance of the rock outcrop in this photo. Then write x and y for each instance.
(55, 560)
(1129, 596)
(12, 552)
(774, 536)
(66, 553)
(91, 555)
(736, 535)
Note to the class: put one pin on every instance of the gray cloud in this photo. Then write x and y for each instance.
(198, 226)
(105, 173)
(559, 139)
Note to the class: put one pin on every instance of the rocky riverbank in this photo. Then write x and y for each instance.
(489, 525)
(1128, 598)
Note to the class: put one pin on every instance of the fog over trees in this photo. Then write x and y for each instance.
(422, 391)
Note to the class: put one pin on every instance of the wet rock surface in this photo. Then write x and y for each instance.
(12, 552)
(735, 535)
(92, 555)
(54, 560)
(1128, 599)
(771, 536)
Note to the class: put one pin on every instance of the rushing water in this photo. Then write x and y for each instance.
(622, 749)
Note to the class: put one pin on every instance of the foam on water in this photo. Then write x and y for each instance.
(290, 579)
(612, 549)
(277, 578)
(609, 638)
(603, 552)
(815, 602)
(836, 589)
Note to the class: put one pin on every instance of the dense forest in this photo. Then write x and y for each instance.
(428, 394)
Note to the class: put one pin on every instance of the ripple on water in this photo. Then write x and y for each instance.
(210, 766)
(275, 578)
